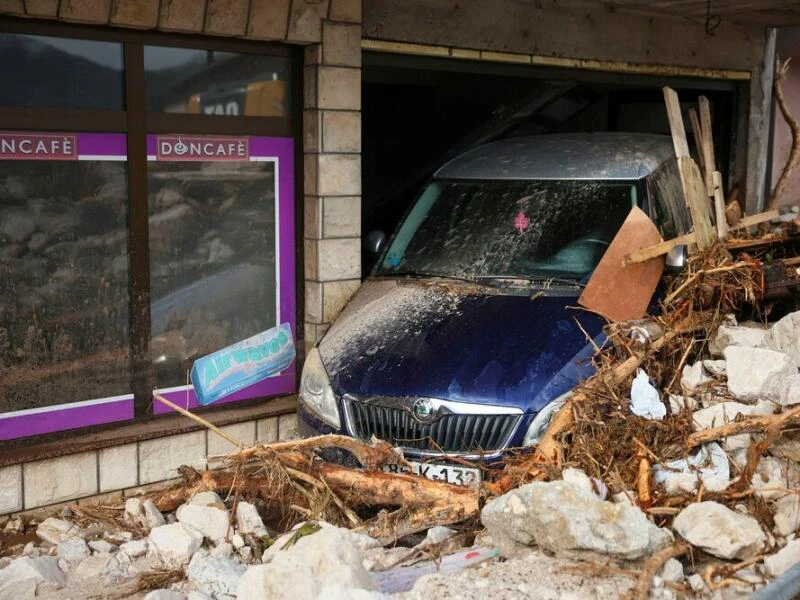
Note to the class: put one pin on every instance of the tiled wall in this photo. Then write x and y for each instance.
(122, 470)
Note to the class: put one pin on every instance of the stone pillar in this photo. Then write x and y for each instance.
(332, 167)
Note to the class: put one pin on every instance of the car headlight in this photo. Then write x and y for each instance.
(315, 389)
(542, 420)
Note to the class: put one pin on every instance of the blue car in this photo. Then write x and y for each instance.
(466, 337)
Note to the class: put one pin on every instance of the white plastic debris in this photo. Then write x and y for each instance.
(710, 464)
(645, 401)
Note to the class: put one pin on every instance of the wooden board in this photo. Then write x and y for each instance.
(620, 292)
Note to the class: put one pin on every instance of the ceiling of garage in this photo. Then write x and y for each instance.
(768, 12)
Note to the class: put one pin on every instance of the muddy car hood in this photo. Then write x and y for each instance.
(459, 342)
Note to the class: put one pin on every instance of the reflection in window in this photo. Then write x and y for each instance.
(63, 282)
(212, 259)
(51, 72)
(181, 80)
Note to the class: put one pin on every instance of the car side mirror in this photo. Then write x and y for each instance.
(374, 242)
(676, 258)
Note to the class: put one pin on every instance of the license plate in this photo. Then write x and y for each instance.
(439, 472)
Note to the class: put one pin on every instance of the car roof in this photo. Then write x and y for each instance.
(607, 155)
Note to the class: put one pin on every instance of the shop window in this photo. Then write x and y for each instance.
(63, 270)
(181, 80)
(52, 72)
(127, 253)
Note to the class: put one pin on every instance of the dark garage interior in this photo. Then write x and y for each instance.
(418, 112)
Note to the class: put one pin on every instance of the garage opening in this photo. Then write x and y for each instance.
(419, 112)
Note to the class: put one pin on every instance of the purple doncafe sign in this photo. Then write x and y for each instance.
(241, 190)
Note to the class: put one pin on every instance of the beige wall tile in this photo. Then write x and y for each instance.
(310, 167)
(182, 15)
(313, 302)
(311, 259)
(159, 459)
(341, 131)
(339, 259)
(244, 432)
(119, 467)
(312, 216)
(339, 175)
(287, 427)
(10, 489)
(86, 11)
(42, 8)
(226, 17)
(268, 19)
(341, 44)
(346, 10)
(312, 126)
(305, 20)
(341, 216)
(339, 88)
(60, 479)
(136, 13)
(267, 430)
(335, 295)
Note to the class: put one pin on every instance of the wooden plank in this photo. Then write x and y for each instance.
(621, 292)
(649, 252)
(719, 205)
(707, 149)
(698, 136)
(676, 125)
(697, 199)
(756, 219)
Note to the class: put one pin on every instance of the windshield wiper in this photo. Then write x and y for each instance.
(538, 279)
(422, 274)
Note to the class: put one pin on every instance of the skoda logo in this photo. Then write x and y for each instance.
(423, 409)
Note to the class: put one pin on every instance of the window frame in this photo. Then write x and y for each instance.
(136, 122)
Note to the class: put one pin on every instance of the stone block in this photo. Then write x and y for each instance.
(764, 383)
(267, 430)
(341, 131)
(85, 11)
(60, 479)
(226, 17)
(341, 216)
(341, 44)
(118, 467)
(287, 427)
(13, 7)
(268, 19)
(182, 15)
(312, 215)
(310, 335)
(312, 126)
(159, 459)
(339, 175)
(305, 20)
(346, 10)
(314, 302)
(135, 13)
(720, 531)
(244, 432)
(336, 295)
(339, 88)
(310, 87)
(312, 55)
(10, 489)
(310, 168)
(41, 8)
(339, 259)
(310, 258)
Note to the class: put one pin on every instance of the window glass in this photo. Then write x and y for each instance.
(181, 80)
(50, 72)
(63, 269)
(212, 248)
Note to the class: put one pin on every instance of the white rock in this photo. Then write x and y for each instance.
(216, 576)
(784, 559)
(237, 541)
(757, 373)
(697, 583)
(787, 514)
(672, 571)
(246, 553)
(771, 478)
(98, 567)
(57, 530)
(73, 550)
(63, 564)
(327, 557)
(175, 543)
(437, 535)
(25, 574)
(359, 540)
(31, 550)
(578, 478)
(152, 516)
(133, 510)
(560, 517)
(206, 513)
(692, 377)
(784, 336)
(708, 465)
(164, 595)
(624, 497)
(720, 531)
(747, 337)
(677, 403)
(717, 368)
(102, 546)
(223, 550)
(248, 520)
(134, 548)
(195, 595)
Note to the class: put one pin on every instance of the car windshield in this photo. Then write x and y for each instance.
(548, 229)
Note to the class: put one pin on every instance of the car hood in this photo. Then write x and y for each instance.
(459, 342)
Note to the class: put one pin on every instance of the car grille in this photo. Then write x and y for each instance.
(450, 433)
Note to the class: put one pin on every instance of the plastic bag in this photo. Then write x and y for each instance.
(645, 400)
